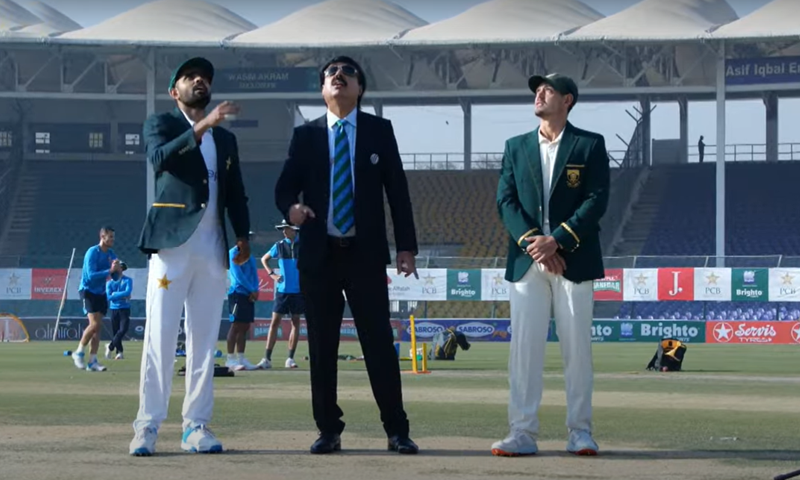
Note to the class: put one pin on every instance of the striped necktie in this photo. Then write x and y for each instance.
(343, 217)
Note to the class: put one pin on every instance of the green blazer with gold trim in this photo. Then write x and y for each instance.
(578, 200)
(182, 187)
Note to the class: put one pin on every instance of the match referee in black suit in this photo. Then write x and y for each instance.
(342, 163)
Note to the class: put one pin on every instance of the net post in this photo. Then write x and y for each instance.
(63, 295)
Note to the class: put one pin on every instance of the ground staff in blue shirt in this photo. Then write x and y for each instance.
(242, 297)
(118, 291)
(98, 263)
(288, 299)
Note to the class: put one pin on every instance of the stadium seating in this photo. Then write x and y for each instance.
(677, 210)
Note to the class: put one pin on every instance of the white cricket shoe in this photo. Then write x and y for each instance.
(264, 364)
(77, 358)
(144, 442)
(290, 363)
(233, 364)
(245, 363)
(119, 357)
(95, 367)
(581, 443)
(516, 444)
(199, 439)
(109, 353)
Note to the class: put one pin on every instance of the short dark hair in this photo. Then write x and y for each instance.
(106, 229)
(362, 79)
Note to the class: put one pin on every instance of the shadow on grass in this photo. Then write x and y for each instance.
(751, 455)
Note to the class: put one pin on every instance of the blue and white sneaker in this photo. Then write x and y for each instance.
(199, 439)
(77, 358)
(144, 443)
(95, 367)
(581, 443)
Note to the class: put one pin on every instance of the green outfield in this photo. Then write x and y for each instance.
(734, 413)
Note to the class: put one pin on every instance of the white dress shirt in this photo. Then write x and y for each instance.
(547, 151)
(208, 149)
(350, 130)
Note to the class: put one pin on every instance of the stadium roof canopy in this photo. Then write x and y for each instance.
(659, 20)
(369, 23)
(777, 19)
(505, 21)
(166, 22)
(334, 23)
(39, 20)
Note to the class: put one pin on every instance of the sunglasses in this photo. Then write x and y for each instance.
(347, 70)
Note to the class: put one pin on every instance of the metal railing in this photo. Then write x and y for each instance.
(273, 151)
(745, 152)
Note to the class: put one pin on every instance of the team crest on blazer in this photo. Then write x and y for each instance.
(573, 177)
(374, 158)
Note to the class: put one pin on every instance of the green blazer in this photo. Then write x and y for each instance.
(181, 183)
(578, 200)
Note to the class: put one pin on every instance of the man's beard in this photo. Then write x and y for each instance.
(197, 100)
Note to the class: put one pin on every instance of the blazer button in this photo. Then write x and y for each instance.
(202, 205)
(205, 181)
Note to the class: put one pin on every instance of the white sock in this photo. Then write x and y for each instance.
(231, 356)
(79, 349)
(240, 356)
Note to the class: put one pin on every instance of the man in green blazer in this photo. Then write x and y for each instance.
(552, 193)
(197, 180)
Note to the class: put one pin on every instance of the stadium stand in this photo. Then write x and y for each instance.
(673, 226)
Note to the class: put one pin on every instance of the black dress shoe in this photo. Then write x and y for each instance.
(327, 443)
(402, 445)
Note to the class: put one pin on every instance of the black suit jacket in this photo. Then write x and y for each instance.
(307, 172)
(181, 183)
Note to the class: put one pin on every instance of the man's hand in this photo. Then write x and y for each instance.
(243, 253)
(254, 296)
(299, 213)
(541, 247)
(406, 263)
(217, 115)
(276, 278)
(116, 266)
(555, 264)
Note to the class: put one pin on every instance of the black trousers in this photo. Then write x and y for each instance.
(120, 320)
(368, 297)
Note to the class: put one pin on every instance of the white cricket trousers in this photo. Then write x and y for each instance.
(191, 276)
(533, 298)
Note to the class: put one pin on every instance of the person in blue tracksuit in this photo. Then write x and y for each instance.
(118, 292)
(288, 299)
(99, 262)
(242, 298)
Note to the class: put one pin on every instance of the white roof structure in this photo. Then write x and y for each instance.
(505, 21)
(774, 20)
(166, 22)
(659, 20)
(354, 23)
(334, 23)
(13, 16)
(38, 20)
